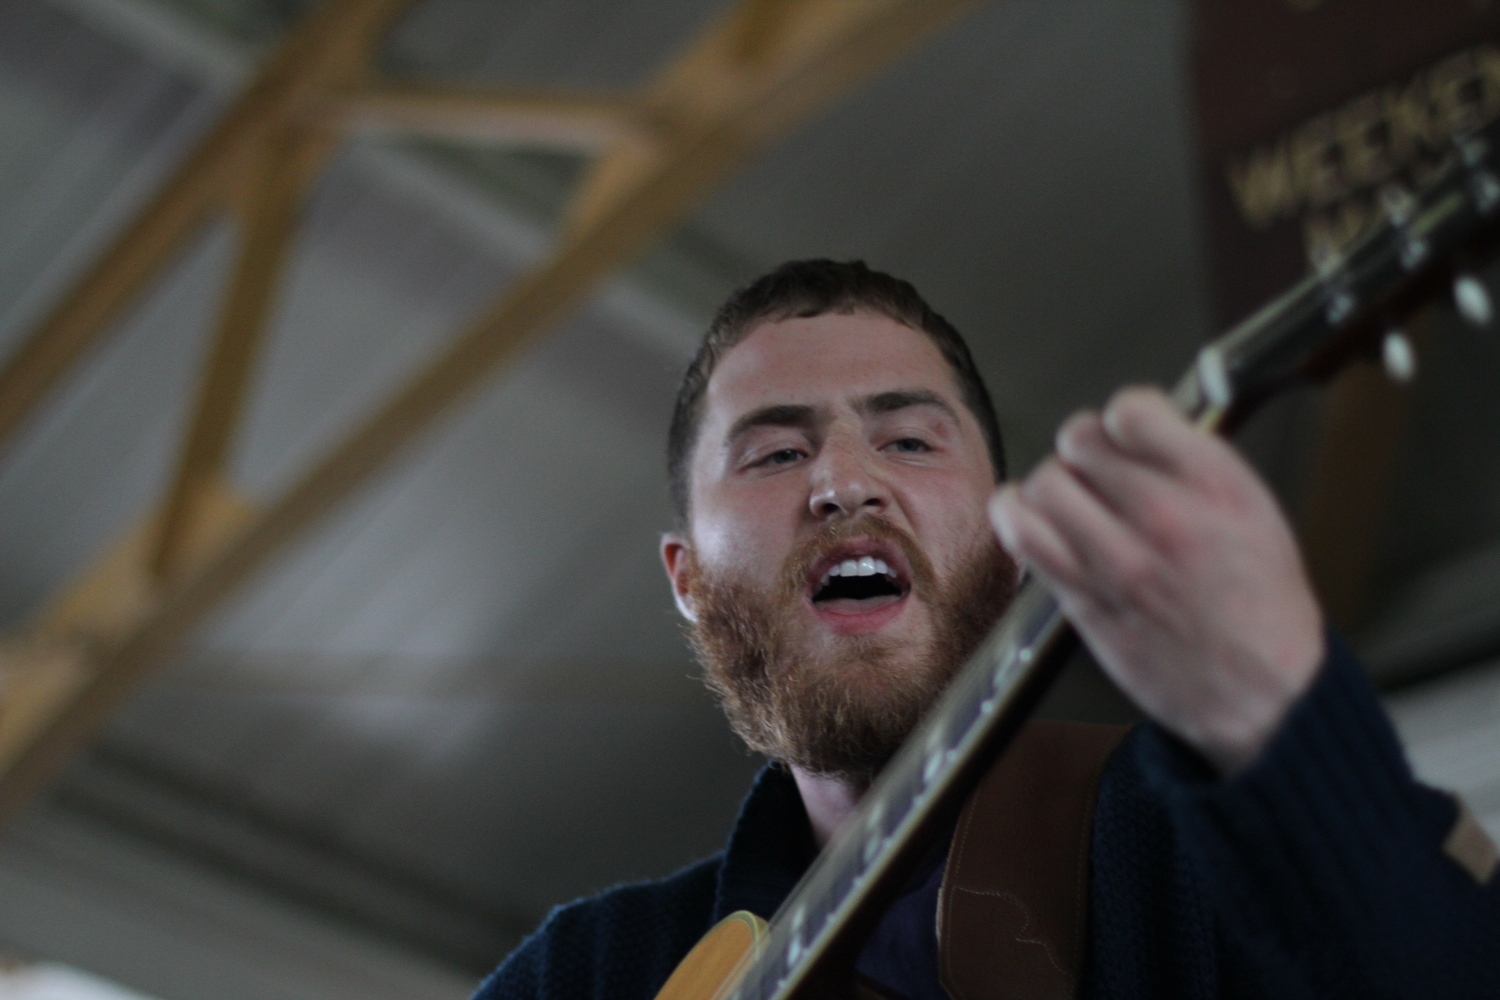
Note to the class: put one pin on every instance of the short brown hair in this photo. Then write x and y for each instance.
(803, 289)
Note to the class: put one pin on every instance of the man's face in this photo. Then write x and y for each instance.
(839, 561)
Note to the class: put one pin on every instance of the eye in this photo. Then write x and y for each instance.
(909, 445)
(781, 456)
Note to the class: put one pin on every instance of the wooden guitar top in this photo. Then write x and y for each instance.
(716, 961)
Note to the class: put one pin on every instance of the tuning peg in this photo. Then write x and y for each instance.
(1398, 203)
(1399, 357)
(1472, 147)
(1472, 300)
(1325, 257)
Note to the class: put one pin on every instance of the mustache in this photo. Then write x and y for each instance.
(799, 563)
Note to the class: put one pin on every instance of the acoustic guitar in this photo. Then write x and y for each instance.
(1350, 306)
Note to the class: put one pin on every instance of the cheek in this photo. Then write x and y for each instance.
(749, 522)
(953, 531)
(962, 547)
(740, 544)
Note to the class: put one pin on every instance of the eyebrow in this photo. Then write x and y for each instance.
(900, 399)
(784, 415)
(795, 415)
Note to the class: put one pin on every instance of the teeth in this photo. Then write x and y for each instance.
(864, 566)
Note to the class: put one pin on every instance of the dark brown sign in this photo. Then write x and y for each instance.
(1311, 111)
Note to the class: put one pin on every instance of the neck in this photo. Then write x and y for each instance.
(828, 801)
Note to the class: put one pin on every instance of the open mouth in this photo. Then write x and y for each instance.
(858, 583)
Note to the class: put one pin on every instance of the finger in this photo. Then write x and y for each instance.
(1028, 536)
(1143, 423)
(1107, 551)
(1129, 486)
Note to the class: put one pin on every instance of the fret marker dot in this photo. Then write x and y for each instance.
(1472, 300)
(1399, 356)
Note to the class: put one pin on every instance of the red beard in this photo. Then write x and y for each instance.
(840, 713)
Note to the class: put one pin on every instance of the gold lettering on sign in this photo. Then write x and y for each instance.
(1262, 185)
(1326, 171)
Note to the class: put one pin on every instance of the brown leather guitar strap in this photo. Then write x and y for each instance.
(1013, 910)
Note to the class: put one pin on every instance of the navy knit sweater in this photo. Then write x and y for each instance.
(1317, 872)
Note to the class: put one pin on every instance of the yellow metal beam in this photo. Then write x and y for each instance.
(44, 669)
(275, 181)
(328, 50)
(758, 28)
(570, 120)
(713, 108)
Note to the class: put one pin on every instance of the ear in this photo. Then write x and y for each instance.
(674, 551)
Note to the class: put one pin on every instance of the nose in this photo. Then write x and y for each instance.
(845, 481)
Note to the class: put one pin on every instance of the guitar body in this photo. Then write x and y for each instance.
(715, 963)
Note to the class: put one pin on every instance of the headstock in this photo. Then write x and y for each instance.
(1355, 302)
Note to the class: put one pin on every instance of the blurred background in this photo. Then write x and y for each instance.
(340, 341)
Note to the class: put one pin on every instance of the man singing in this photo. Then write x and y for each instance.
(841, 548)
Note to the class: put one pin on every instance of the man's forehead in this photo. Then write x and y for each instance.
(833, 359)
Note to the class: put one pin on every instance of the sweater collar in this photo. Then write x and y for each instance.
(771, 846)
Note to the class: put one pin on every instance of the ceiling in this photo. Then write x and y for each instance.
(464, 697)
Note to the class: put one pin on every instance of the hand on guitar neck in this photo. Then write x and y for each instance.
(1176, 565)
